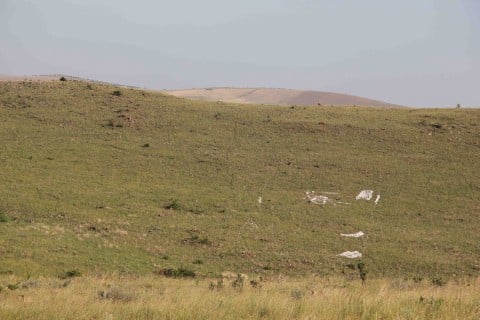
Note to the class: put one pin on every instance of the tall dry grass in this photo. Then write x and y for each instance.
(149, 297)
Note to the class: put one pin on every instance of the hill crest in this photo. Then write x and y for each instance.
(277, 96)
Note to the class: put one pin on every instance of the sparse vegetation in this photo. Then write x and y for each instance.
(115, 294)
(173, 205)
(70, 274)
(12, 286)
(195, 239)
(178, 273)
(3, 217)
(238, 282)
(438, 281)
(362, 272)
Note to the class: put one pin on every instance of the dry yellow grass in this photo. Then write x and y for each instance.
(151, 297)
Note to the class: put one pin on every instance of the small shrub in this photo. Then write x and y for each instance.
(63, 79)
(12, 286)
(255, 284)
(29, 283)
(115, 294)
(205, 241)
(178, 273)
(438, 281)
(297, 294)
(3, 218)
(263, 312)
(238, 283)
(146, 145)
(197, 261)
(70, 274)
(362, 272)
(219, 285)
(111, 123)
(195, 239)
(174, 205)
(117, 93)
(89, 87)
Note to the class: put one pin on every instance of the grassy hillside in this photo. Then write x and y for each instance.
(139, 181)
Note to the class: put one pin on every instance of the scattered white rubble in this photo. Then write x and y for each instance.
(365, 195)
(351, 254)
(377, 199)
(317, 199)
(353, 235)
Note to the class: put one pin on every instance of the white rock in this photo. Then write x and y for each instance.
(365, 195)
(351, 254)
(353, 235)
(377, 199)
(312, 197)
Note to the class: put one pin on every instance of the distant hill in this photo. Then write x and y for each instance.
(54, 77)
(270, 96)
(4, 77)
(277, 97)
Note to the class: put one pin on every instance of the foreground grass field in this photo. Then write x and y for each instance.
(107, 179)
(115, 297)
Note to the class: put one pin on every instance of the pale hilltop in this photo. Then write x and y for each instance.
(276, 97)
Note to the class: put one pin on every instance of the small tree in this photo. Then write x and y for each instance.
(458, 105)
(63, 79)
(362, 272)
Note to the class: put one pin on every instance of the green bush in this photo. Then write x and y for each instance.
(3, 218)
(178, 273)
(362, 272)
(174, 205)
(70, 274)
(12, 286)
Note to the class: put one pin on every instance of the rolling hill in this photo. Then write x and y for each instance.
(277, 97)
(99, 179)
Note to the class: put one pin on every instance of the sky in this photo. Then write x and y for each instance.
(415, 53)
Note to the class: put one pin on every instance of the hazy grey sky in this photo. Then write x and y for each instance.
(411, 52)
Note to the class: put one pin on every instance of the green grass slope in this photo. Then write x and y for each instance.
(141, 181)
